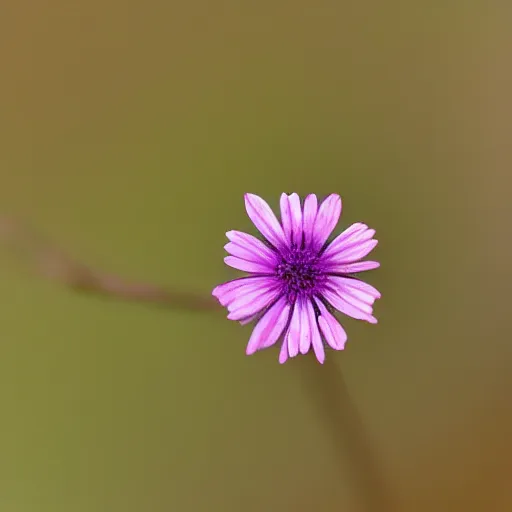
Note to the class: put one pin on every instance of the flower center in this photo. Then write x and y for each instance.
(299, 273)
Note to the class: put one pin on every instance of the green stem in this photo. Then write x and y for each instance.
(330, 395)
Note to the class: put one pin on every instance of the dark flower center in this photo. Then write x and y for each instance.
(299, 272)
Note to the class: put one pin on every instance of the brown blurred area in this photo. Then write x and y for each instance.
(129, 132)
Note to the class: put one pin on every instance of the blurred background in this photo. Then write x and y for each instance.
(129, 133)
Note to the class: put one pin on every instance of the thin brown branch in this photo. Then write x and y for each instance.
(326, 384)
(47, 260)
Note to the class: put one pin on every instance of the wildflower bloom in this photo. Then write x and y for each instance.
(296, 279)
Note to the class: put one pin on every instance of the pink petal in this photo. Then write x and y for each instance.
(286, 219)
(316, 339)
(249, 254)
(248, 266)
(318, 346)
(361, 285)
(332, 330)
(357, 298)
(227, 292)
(308, 221)
(283, 353)
(284, 319)
(249, 319)
(360, 304)
(351, 268)
(252, 244)
(356, 287)
(326, 219)
(269, 328)
(307, 323)
(223, 290)
(296, 218)
(354, 252)
(264, 219)
(345, 238)
(341, 304)
(292, 337)
(251, 303)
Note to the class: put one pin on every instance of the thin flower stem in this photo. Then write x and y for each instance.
(331, 397)
(47, 260)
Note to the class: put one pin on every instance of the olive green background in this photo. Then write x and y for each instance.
(129, 132)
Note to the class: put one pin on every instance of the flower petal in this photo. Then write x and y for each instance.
(357, 298)
(227, 292)
(249, 319)
(354, 234)
(316, 339)
(252, 244)
(333, 332)
(269, 328)
(309, 217)
(326, 219)
(296, 218)
(341, 304)
(247, 266)
(339, 241)
(264, 219)
(283, 353)
(251, 303)
(292, 336)
(354, 252)
(351, 268)
(286, 218)
(248, 254)
(357, 288)
(285, 319)
(318, 346)
(307, 323)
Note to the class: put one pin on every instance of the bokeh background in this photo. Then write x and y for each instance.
(129, 132)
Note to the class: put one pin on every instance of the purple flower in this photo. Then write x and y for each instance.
(296, 278)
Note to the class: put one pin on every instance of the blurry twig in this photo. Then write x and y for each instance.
(325, 383)
(47, 260)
